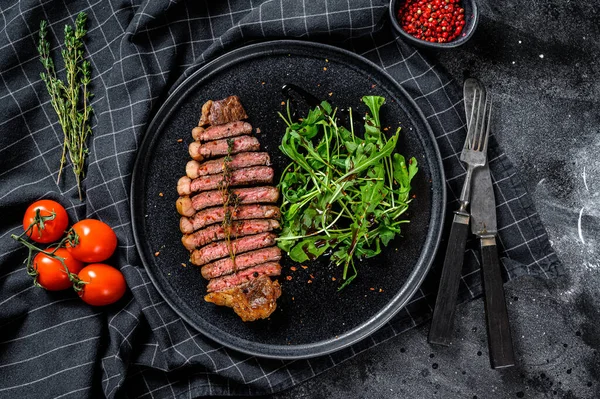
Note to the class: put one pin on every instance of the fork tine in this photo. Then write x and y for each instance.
(480, 123)
(487, 128)
(470, 139)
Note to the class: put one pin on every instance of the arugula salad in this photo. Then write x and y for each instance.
(343, 194)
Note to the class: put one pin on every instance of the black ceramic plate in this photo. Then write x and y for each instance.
(312, 317)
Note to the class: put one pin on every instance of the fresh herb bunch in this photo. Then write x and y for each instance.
(342, 193)
(70, 98)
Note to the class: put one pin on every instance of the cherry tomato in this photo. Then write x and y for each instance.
(105, 284)
(51, 272)
(52, 229)
(95, 241)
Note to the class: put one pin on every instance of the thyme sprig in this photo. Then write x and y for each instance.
(70, 98)
(231, 201)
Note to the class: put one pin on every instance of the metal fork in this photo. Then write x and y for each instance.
(474, 155)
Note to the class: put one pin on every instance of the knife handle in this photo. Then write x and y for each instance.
(498, 328)
(445, 304)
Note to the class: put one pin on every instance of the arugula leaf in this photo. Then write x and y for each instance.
(310, 248)
(342, 192)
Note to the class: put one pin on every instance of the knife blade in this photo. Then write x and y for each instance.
(484, 226)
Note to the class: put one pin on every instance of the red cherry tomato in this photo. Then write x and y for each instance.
(53, 229)
(95, 241)
(51, 272)
(104, 284)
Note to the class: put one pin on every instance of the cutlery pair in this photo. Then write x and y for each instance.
(482, 219)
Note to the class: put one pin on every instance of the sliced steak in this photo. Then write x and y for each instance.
(244, 276)
(216, 232)
(223, 111)
(187, 206)
(256, 299)
(200, 151)
(210, 216)
(195, 169)
(240, 177)
(220, 249)
(217, 132)
(243, 261)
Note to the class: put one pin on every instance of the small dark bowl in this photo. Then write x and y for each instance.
(471, 20)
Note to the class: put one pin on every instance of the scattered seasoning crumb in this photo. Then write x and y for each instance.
(262, 83)
(324, 68)
(283, 103)
(385, 129)
(372, 289)
(288, 278)
(293, 299)
(180, 140)
(311, 276)
(304, 267)
(373, 86)
(330, 93)
(293, 268)
(541, 55)
(318, 84)
(326, 60)
(309, 281)
(414, 195)
(333, 279)
(380, 290)
(184, 265)
(157, 253)
(258, 130)
(160, 194)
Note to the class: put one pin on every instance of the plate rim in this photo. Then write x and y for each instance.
(298, 351)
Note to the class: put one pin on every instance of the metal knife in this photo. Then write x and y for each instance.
(484, 226)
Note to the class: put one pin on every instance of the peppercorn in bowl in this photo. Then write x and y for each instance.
(434, 24)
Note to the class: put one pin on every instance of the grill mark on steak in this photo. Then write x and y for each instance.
(243, 261)
(217, 132)
(210, 216)
(244, 276)
(200, 151)
(238, 229)
(254, 300)
(187, 206)
(223, 111)
(195, 169)
(220, 249)
(240, 177)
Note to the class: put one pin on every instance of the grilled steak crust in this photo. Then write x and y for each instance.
(220, 249)
(187, 206)
(254, 300)
(220, 112)
(244, 276)
(240, 177)
(238, 229)
(195, 169)
(217, 132)
(243, 261)
(210, 216)
(200, 151)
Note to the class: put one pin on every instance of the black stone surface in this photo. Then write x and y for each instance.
(542, 61)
